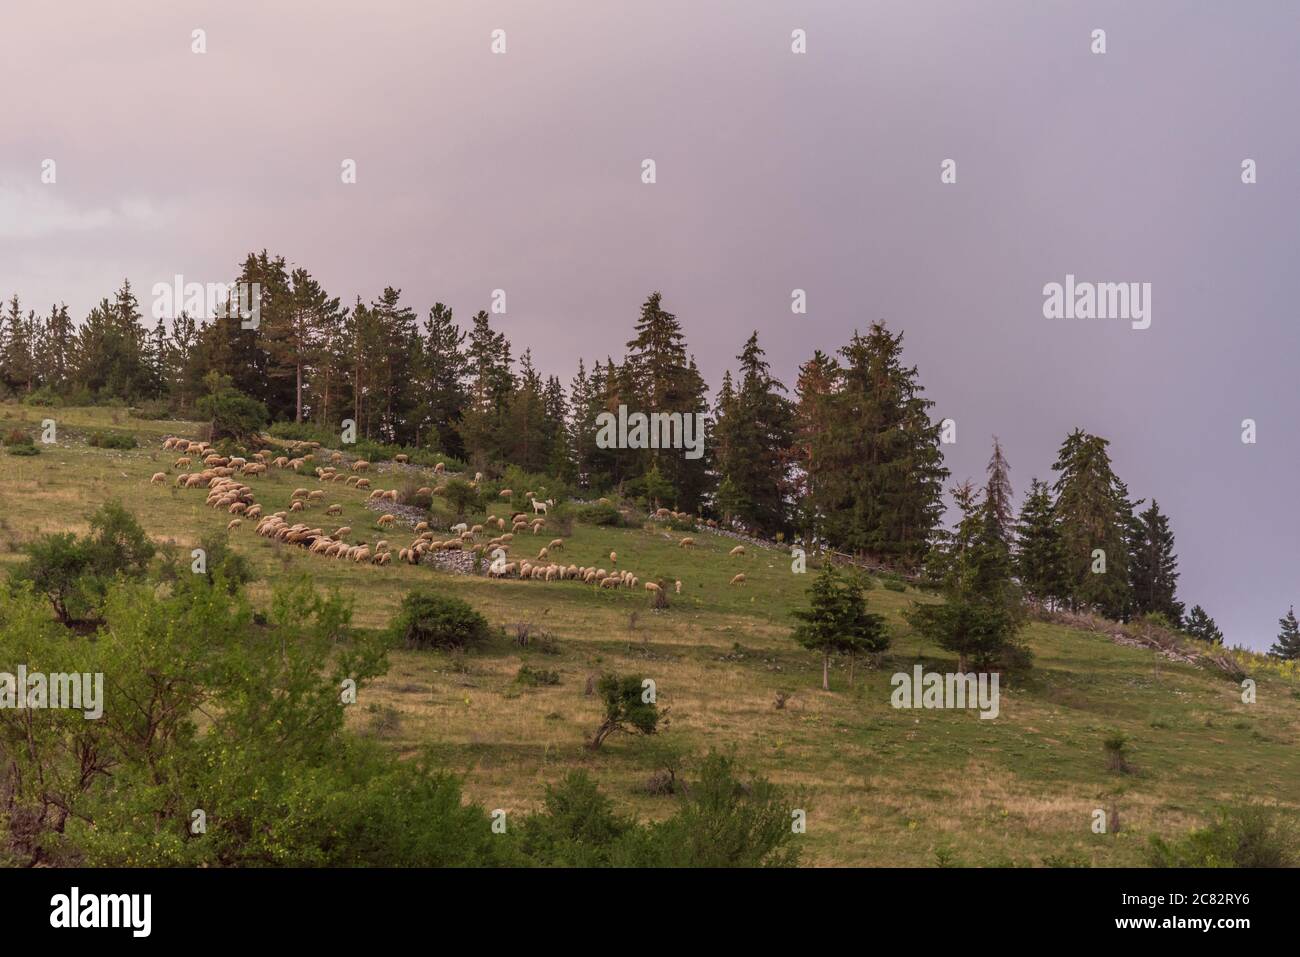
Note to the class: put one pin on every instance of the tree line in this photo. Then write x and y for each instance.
(851, 460)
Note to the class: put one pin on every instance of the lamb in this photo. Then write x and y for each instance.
(737, 551)
(158, 478)
(738, 580)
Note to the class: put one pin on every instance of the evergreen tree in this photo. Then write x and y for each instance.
(752, 440)
(982, 614)
(1153, 567)
(812, 414)
(1287, 646)
(837, 621)
(1201, 625)
(1038, 547)
(1092, 512)
(877, 467)
(444, 380)
(998, 494)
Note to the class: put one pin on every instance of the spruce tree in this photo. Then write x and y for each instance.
(1153, 569)
(1092, 512)
(998, 494)
(1038, 558)
(1287, 646)
(837, 621)
(1201, 625)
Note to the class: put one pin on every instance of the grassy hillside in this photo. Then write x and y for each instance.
(881, 786)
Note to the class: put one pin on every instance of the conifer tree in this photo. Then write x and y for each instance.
(1092, 512)
(445, 395)
(837, 621)
(1038, 547)
(1287, 646)
(753, 431)
(1154, 567)
(1201, 625)
(998, 494)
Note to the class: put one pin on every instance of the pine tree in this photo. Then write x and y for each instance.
(1153, 569)
(1038, 547)
(1201, 625)
(1093, 515)
(1287, 646)
(753, 431)
(812, 413)
(444, 380)
(982, 614)
(878, 469)
(837, 621)
(998, 494)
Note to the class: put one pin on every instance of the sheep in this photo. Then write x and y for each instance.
(542, 554)
(651, 587)
(501, 524)
(374, 495)
(254, 512)
(386, 519)
(316, 495)
(613, 558)
(736, 552)
(343, 532)
(738, 580)
(478, 478)
(678, 585)
(421, 527)
(610, 582)
(299, 493)
(390, 495)
(158, 478)
(363, 483)
(539, 508)
(424, 490)
(686, 543)
(360, 465)
(335, 509)
(297, 507)
(505, 493)
(233, 524)
(181, 463)
(402, 459)
(557, 544)
(439, 469)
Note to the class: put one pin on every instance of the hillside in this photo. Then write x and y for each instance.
(881, 786)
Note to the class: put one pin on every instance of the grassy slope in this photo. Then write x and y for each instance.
(882, 787)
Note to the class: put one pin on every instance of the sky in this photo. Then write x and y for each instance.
(774, 170)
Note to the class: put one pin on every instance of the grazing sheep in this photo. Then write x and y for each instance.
(233, 524)
(403, 459)
(299, 493)
(343, 532)
(334, 510)
(542, 554)
(439, 469)
(651, 587)
(505, 493)
(738, 580)
(611, 582)
(297, 507)
(360, 465)
(613, 558)
(686, 543)
(316, 495)
(421, 527)
(678, 585)
(158, 478)
(363, 483)
(557, 544)
(737, 551)
(181, 463)
(424, 490)
(386, 519)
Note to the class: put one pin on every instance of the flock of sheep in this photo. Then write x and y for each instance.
(226, 491)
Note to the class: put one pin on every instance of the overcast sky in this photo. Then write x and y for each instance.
(775, 171)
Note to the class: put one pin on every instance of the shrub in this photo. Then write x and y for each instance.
(625, 708)
(462, 497)
(44, 396)
(101, 440)
(1249, 836)
(428, 620)
(537, 677)
(16, 437)
(599, 514)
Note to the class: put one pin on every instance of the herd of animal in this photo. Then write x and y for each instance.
(221, 475)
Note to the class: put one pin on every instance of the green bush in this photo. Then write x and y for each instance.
(598, 514)
(44, 396)
(101, 440)
(1248, 836)
(426, 619)
(537, 677)
(17, 437)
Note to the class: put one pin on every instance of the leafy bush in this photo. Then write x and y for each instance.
(232, 414)
(598, 514)
(45, 396)
(537, 677)
(112, 440)
(426, 619)
(462, 497)
(18, 437)
(625, 708)
(1248, 836)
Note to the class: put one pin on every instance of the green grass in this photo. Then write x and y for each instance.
(882, 786)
